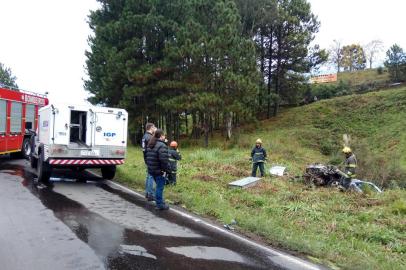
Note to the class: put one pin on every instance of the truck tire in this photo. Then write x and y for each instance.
(26, 149)
(108, 172)
(43, 170)
(33, 162)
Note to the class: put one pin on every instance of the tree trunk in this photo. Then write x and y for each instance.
(229, 125)
(195, 130)
(278, 73)
(262, 69)
(270, 59)
(206, 130)
(186, 124)
(169, 126)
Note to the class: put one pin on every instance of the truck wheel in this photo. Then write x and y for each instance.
(44, 170)
(33, 162)
(26, 149)
(108, 172)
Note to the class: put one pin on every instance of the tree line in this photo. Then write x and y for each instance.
(195, 66)
(354, 56)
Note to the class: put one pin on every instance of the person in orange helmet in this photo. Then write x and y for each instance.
(174, 156)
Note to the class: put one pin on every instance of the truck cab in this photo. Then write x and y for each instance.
(79, 137)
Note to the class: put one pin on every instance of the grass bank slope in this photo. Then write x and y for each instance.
(341, 230)
(364, 77)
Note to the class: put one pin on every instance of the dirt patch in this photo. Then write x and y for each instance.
(263, 187)
(204, 177)
(368, 202)
(234, 171)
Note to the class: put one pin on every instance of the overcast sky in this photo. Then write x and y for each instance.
(44, 41)
(361, 21)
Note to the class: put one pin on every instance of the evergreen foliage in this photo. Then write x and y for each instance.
(396, 63)
(213, 63)
(6, 77)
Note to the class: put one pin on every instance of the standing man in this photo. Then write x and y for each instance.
(149, 181)
(258, 157)
(350, 164)
(158, 164)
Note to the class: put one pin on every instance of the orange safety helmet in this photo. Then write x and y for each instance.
(173, 144)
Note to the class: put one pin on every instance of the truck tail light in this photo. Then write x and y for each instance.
(59, 150)
(119, 152)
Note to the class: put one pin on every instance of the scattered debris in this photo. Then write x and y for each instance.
(321, 175)
(328, 175)
(361, 186)
(277, 170)
(229, 226)
(245, 182)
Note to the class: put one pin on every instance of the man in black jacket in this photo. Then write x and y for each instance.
(158, 164)
(149, 181)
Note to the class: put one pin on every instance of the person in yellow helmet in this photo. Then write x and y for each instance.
(258, 157)
(350, 167)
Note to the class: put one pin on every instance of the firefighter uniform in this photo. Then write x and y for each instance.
(174, 156)
(258, 156)
(350, 167)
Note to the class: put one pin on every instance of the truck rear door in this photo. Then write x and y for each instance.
(110, 129)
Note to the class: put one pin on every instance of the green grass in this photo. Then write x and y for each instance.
(342, 230)
(363, 77)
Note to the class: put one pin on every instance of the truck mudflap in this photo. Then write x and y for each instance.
(85, 162)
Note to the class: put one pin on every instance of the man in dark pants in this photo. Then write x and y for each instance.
(158, 164)
(174, 156)
(149, 181)
(258, 157)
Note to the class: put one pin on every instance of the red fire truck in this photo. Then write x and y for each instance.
(18, 119)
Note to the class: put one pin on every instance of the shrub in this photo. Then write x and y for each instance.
(380, 70)
(327, 147)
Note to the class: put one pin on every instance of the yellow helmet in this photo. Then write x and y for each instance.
(347, 150)
(259, 141)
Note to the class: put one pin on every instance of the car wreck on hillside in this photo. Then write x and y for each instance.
(330, 176)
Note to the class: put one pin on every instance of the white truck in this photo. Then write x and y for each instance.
(79, 137)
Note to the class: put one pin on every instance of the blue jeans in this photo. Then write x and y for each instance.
(149, 185)
(159, 193)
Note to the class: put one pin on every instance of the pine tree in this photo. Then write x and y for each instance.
(7, 79)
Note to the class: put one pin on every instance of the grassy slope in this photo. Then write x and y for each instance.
(363, 76)
(344, 230)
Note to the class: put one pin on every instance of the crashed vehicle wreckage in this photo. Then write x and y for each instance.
(330, 176)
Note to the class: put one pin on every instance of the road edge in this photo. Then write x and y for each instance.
(276, 256)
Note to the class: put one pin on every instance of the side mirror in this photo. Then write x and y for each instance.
(28, 125)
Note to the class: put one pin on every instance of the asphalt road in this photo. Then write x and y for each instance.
(98, 225)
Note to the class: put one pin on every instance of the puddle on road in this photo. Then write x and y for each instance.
(126, 235)
(7, 171)
(208, 253)
(116, 209)
(137, 251)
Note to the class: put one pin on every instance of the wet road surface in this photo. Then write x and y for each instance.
(95, 225)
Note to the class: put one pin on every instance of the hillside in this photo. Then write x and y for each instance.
(338, 229)
(376, 122)
(364, 77)
(356, 82)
